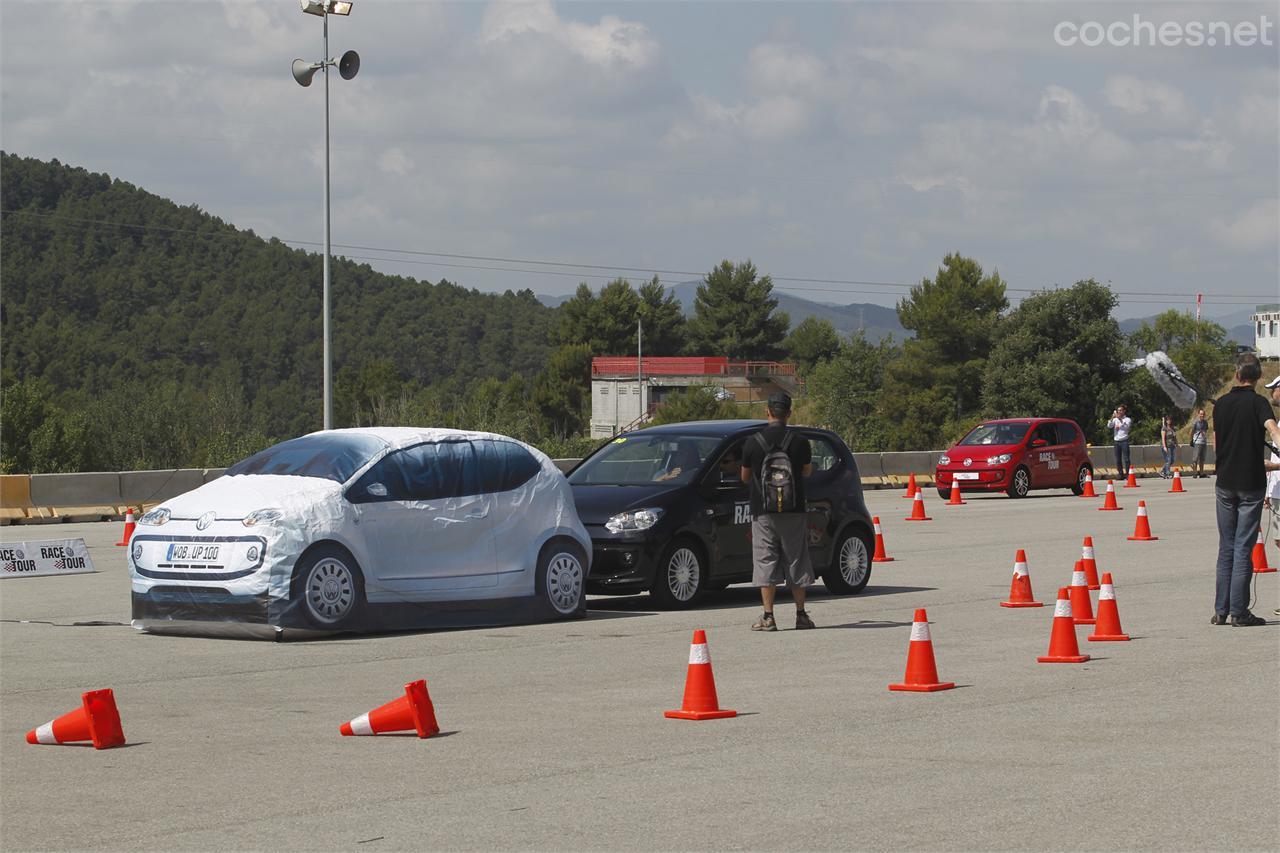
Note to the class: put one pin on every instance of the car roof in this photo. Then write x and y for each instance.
(715, 429)
(398, 437)
(1024, 420)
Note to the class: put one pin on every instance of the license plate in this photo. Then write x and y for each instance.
(192, 553)
(965, 475)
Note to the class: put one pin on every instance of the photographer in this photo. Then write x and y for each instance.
(1120, 424)
(1240, 418)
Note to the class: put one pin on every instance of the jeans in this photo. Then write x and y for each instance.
(1169, 454)
(1122, 458)
(1239, 513)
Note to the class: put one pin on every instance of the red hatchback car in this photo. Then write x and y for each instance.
(1015, 456)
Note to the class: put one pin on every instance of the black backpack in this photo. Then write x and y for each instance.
(777, 477)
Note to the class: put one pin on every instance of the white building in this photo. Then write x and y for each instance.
(1266, 331)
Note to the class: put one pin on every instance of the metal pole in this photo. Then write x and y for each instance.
(639, 368)
(328, 373)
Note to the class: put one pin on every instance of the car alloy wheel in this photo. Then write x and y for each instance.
(330, 591)
(684, 574)
(563, 582)
(1021, 483)
(850, 568)
(1080, 477)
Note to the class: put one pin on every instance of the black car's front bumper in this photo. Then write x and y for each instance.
(621, 566)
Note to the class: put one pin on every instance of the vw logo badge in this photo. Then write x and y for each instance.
(968, 463)
(205, 520)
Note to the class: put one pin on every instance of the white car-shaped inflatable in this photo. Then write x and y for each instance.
(367, 529)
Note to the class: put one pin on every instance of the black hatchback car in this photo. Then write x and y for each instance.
(667, 511)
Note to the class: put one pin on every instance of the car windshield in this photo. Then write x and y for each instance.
(646, 459)
(996, 434)
(331, 456)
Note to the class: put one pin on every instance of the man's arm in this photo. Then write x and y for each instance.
(746, 475)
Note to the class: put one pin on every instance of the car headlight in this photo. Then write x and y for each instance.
(999, 460)
(636, 519)
(261, 516)
(155, 518)
(944, 459)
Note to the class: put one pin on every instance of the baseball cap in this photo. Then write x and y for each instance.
(1273, 383)
(780, 401)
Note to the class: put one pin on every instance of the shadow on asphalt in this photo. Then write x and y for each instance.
(734, 597)
(868, 623)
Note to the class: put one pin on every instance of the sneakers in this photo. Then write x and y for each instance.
(765, 623)
(803, 621)
(1218, 619)
(1247, 620)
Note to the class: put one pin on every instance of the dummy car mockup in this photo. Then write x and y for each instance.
(1015, 456)
(668, 512)
(367, 529)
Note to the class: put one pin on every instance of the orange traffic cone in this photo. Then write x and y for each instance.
(912, 488)
(1109, 501)
(1080, 604)
(1063, 647)
(917, 509)
(1020, 590)
(922, 671)
(700, 701)
(1142, 528)
(955, 495)
(880, 556)
(1108, 627)
(1132, 482)
(1260, 566)
(413, 710)
(1090, 564)
(1177, 483)
(1088, 486)
(95, 720)
(128, 528)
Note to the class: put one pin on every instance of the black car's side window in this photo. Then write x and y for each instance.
(727, 472)
(825, 456)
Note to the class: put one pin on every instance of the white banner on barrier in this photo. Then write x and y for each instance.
(50, 557)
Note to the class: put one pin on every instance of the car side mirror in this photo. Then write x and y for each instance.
(377, 490)
(1039, 442)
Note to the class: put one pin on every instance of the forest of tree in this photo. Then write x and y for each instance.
(136, 333)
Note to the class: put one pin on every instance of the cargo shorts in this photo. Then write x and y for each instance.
(780, 550)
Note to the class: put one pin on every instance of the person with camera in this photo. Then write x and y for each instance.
(1241, 420)
(1121, 424)
(775, 462)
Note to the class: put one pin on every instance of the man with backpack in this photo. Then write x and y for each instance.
(775, 462)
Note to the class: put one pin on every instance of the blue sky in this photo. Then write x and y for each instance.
(853, 142)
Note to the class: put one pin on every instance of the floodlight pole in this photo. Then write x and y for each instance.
(328, 361)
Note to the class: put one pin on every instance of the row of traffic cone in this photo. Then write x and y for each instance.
(98, 719)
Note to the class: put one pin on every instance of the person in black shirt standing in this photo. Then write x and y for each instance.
(775, 462)
(1240, 418)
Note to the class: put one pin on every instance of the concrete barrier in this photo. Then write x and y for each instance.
(913, 462)
(213, 473)
(152, 487)
(73, 490)
(870, 465)
(15, 491)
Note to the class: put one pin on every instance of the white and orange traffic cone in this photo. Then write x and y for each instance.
(1088, 486)
(917, 509)
(1063, 647)
(1142, 527)
(1132, 482)
(955, 495)
(700, 702)
(1090, 564)
(922, 670)
(912, 488)
(129, 525)
(412, 711)
(96, 720)
(1108, 627)
(1109, 500)
(1080, 604)
(1020, 590)
(880, 556)
(1259, 556)
(1176, 488)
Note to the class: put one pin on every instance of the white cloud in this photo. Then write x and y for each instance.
(1147, 97)
(1257, 227)
(612, 41)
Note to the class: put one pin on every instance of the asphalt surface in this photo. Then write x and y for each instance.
(554, 737)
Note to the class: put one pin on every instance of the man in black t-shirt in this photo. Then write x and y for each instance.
(1240, 419)
(779, 535)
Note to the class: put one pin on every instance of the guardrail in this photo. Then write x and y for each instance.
(44, 498)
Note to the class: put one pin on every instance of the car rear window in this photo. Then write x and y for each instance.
(330, 456)
(996, 434)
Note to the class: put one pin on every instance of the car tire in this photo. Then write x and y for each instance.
(1020, 483)
(850, 569)
(945, 494)
(681, 576)
(1078, 488)
(329, 587)
(561, 579)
